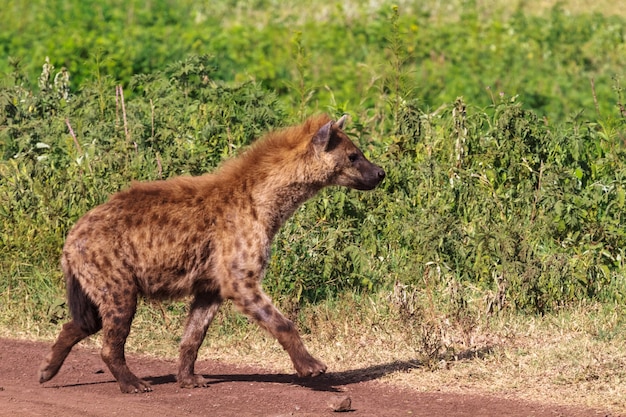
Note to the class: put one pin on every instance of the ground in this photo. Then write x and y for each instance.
(84, 387)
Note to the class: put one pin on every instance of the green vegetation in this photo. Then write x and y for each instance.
(451, 50)
(502, 133)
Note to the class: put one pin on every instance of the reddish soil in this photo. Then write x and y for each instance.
(84, 387)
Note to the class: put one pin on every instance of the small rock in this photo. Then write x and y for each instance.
(340, 403)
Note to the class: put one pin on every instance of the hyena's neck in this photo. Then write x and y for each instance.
(276, 202)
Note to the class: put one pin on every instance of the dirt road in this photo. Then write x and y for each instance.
(84, 387)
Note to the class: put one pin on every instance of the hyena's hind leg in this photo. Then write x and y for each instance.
(201, 313)
(71, 334)
(85, 322)
(117, 312)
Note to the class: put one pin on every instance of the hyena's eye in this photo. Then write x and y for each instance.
(353, 156)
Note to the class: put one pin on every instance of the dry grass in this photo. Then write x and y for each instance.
(575, 357)
(557, 359)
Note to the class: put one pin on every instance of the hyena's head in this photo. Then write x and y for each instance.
(345, 163)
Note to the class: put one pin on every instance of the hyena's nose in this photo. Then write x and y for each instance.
(381, 174)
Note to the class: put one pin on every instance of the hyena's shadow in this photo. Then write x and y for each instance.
(331, 381)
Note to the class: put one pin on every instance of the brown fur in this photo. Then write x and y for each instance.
(207, 237)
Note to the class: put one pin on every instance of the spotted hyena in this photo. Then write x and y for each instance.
(207, 237)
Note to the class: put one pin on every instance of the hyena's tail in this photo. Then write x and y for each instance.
(85, 321)
(84, 312)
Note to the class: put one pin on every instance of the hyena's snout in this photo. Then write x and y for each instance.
(371, 176)
(378, 174)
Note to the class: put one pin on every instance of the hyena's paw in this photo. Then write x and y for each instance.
(47, 371)
(192, 381)
(309, 366)
(134, 385)
(51, 365)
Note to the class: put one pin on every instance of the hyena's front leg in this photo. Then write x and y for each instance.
(201, 314)
(257, 305)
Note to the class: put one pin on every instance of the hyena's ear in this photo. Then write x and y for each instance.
(321, 140)
(341, 121)
(322, 137)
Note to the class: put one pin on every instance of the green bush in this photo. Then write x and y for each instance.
(485, 200)
(548, 59)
